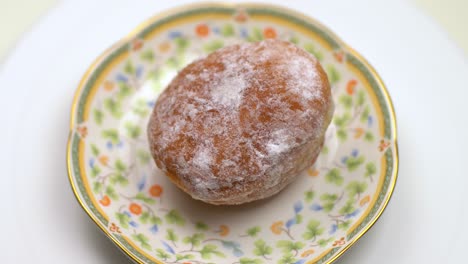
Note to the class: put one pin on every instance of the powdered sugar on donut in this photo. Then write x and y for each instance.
(227, 86)
(302, 77)
(281, 140)
(236, 125)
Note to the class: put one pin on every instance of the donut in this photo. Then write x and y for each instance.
(242, 123)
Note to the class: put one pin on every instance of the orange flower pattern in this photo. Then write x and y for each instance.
(108, 86)
(276, 227)
(383, 145)
(137, 44)
(104, 160)
(350, 87)
(202, 30)
(223, 230)
(339, 242)
(115, 229)
(358, 132)
(269, 32)
(156, 190)
(105, 201)
(82, 131)
(164, 46)
(339, 56)
(135, 209)
(364, 200)
(307, 253)
(241, 16)
(313, 172)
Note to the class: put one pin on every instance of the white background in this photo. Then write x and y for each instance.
(427, 76)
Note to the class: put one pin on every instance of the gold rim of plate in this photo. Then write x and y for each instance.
(186, 7)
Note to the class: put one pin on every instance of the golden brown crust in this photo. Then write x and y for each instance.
(242, 123)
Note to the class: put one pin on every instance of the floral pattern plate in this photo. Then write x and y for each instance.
(314, 220)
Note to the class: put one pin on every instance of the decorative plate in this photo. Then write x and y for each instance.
(314, 220)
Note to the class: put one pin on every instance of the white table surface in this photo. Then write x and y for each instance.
(427, 76)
